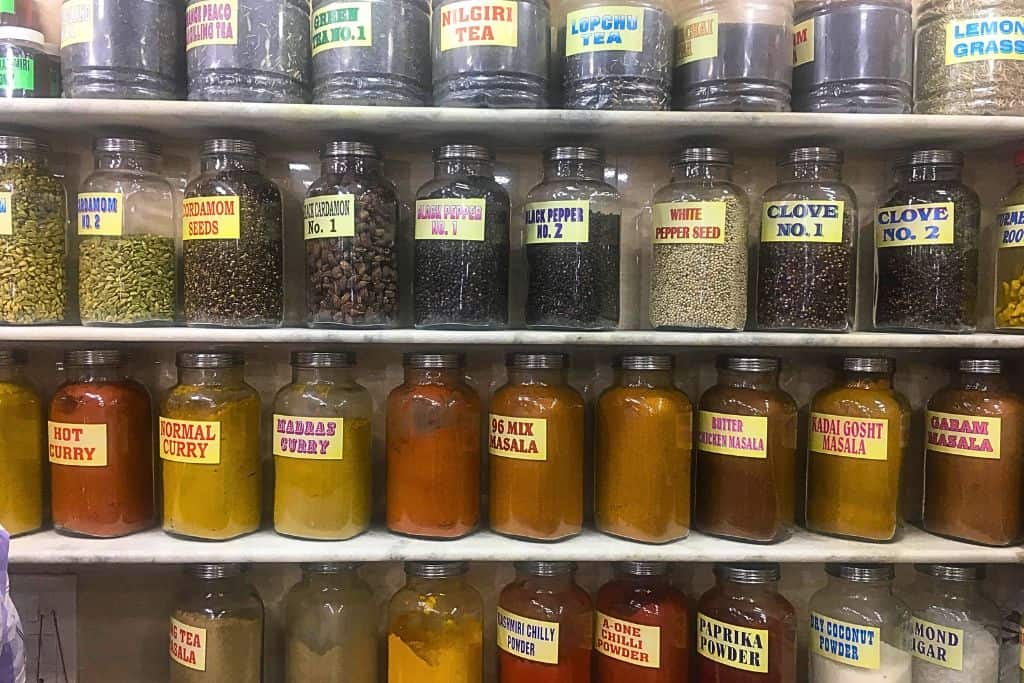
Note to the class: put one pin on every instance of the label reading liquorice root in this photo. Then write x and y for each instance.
(627, 642)
(76, 22)
(6, 207)
(188, 645)
(210, 218)
(914, 225)
(521, 438)
(211, 22)
(979, 40)
(529, 639)
(450, 219)
(803, 43)
(736, 647)
(309, 438)
(78, 445)
(558, 222)
(190, 441)
(100, 213)
(689, 223)
(745, 436)
(610, 27)
(479, 22)
(1010, 220)
(850, 437)
(330, 216)
(939, 645)
(18, 74)
(966, 435)
(808, 220)
(342, 24)
(840, 641)
(697, 39)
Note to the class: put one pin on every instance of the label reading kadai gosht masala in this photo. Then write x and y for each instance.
(966, 435)
(745, 436)
(78, 445)
(689, 223)
(522, 438)
(479, 22)
(737, 647)
(210, 218)
(627, 642)
(188, 645)
(850, 437)
(190, 441)
(529, 639)
(309, 438)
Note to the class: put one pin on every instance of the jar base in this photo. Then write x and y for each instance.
(972, 541)
(325, 538)
(207, 539)
(746, 539)
(854, 537)
(72, 533)
(533, 539)
(432, 537)
(645, 541)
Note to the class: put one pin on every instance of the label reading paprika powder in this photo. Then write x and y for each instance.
(689, 223)
(697, 39)
(211, 22)
(914, 225)
(522, 438)
(78, 445)
(210, 218)
(609, 27)
(450, 219)
(188, 645)
(76, 22)
(1010, 220)
(803, 43)
(802, 221)
(558, 222)
(850, 437)
(342, 24)
(309, 438)
(529, 639)
(628, 642)
(737, 647)
(840, 641)
(479, 22)
(100, 213)
(190, 441)
(6, 224)
(745, 436)
(982, 39)
(967, 435)
(939, 645)
(330, 216)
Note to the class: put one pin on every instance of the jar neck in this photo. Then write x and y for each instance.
(867, 380)
(742, 379)
(645, 379)
(225, 586)
(422, 584)
(433, 375)
(95, 373)
(358, 165)
(574, 168)
(471, 167)
(929, 173)
(552, 377)
(971, 381)
(212, 376)
(869, 588)
(552, 584)
(14, 156)
(750, 589)
(809, 170)
(223, 161)
(12, 373)
(965, 590)
(701, 171)
(118, 161)
(322, 375)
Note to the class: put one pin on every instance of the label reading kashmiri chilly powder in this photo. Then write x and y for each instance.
(802, 221)
(697, 39)
(967, 435)
(210, 218)
(188, 645)
(522, 438)
(558, 222)
(745, 436)
(608, 27)
(450, 219)
(528, 638)
(803, 43)
(627, 642)
(190, 441)
(914, 225)
(77, 445)
(859, 646)
(689, 223)
(479, 22)
(737, 647)
(211, 22)
(851, 437)
(309, 438)
(100, 213)
(332, 216)
(939, 645)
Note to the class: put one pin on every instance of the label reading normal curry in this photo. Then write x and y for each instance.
(188, 645)
(939, 645)
(558, 222)
(850, 437)
(78, 445)
(966, 435)
(737, 647)
(697, 39)
(450, 219)
(689, 223)
(211, 22)
(604, 27)
(627, 642)
(309, 438)
(190, 441)
(522, 438)
(100, 213)
(529, 639)
(479, 22)
(210, 218)
(840, 641)
(745, 436)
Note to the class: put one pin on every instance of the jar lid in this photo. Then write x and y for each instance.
(864, 364)
(230, 146)
(574, 154)
(214, 571)
(767, 572)
(95, 357)
(981, 367)
(926, 157)
(126, 145)
(345, 148)
(546, 568)
(537, 361)
(327, 567)
(744, 364)
(953, 572)
(693, 155)
(23, 34)
(798, 155)
(428, 361)
(478, 152)
(861, 573)
(436, 570)
(9, 357)
(643, 568)
(645, 362)
(23, 143)
(323, 359)
(210, 360)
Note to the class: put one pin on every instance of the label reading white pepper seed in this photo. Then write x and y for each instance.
(76, 22)
(479, 22)
(939, 645)
(210, 218)
(806, 220)
(982, 39)
(689, 223)
(342, 24)
(967, 435)
(803, 43)
(450, 219)
(6, 208)
(100, 213)
(558, 222)
(330, 216)
(611, 27)
(1010, 220)
(211, 22)
(914, 225)
(188, 645)
(697, 39)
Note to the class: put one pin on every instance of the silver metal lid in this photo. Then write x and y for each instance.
(546, 568)
(697, 155)
(230, 146)
(645, 362)
(865, 364)
(953, 572)
(799, 155)
(537, 361)
(345, 148)
(24, 143)
(95, 357)
(210, 360)
(323, 359)
(436, 570)
(429, 361)
(643, 568)
(926, 157)
(746, 364)
(9, 357)
(214, 571)
(767, 572)
(126, 146)
(574, 154)
(478, 152)
(861, 573)
(981, 367)
(327, 567)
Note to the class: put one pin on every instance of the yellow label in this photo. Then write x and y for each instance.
(211, 218)
(450, 219)
(558, 222)
(1021, 648)
(77, 445)
(737, 647)
(522, 438)
(188, 645)
(697, 39)
(76, 22)
(841, 641)
(330, 216)
(528, 638)
(1010, 220)
(984, 39)
(211, 22)
(803, 43)
(914, 225)
(939, 645)
(479, 22)
(100, 213)
(342, 24)
(967, 435)
(603, 28)
(850, 437)
(190, 441)
(627, 642)
(309, 438)
(745, 436)
(805, 220)
(6, 213)
(689, 223)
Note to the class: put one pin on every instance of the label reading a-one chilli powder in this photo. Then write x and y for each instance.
(342, 24)
(850, 437)
(520, 438)
(450, 219)
(966, 435)
(558, 222)
(697, 39)
(76, 22)
(803, 43)
(188, 645)
(529, 639)
(806, 220)
(914, 225)
(211, 22)
(737, 647)
(479, 22)
(309, 438)
(78, 445)
(1010, 220)
(840, 641)
(329, 216)
(100, 213)
(6, 224)
(190, 441)
(599, 29)
(979, 40)
(939, 645)
(745, 436)
(18, 74)
(689, 223)
(210, 218)
(627, 642)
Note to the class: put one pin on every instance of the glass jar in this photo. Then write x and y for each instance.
(33, 228)
(20, 13)
(433, 449)
(746, 454)
(974, 458)
(1009, 288)
(323, 464)
(462, 242)
(536, 447)
(127, 262)
(746, 630)
(22, 451)
(857, 440)
(734, 55)
(100, 434)
(216, 629)
(857, 627)
(642, 627)
(210, 448)
(22, 63)
(807, 258)
(351, 221)
(573, 243)
(545, 626)
(330, 627)
(489, 54)
(643, 453)
(435, 626)
(699, 236)
(51, 82)
(853, 56)
(926, 247)
(231, 240)
(122, 49)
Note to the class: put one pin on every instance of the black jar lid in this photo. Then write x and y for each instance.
(800, 155)
(750, 364)
(881, 366)
(928, 157)
(645, 362)
(861, 573)
(349, 148)
(11, 357)
(767, 572)
(214, 571)
(210, 360)
(634, 568)
(477, 152)
(697, 155)
(230, 146)
(94, 357)
(22, 142)
(126, 146)
(546, 568)
(323, 359)
(327, 567)
(571, 153)
(429, 361)
(436, 570)
(953, 572)
(979, 366)
(537, 361)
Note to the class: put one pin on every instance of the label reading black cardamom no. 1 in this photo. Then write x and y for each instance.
(330, 216)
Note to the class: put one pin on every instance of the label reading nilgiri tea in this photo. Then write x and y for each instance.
(190, 441)
(807, 220)
(697, 39)
(1010, 220)
(329, 216)
(188, 645)
(745, 436)
(689, 223)
(211, 218)
(803, 43)
(914, 225)
(984, 38)
(967, 435)
(529, 639)
(850, 437)
(309, 438)
(627, 642)
(521, 438)
(78, 445)
(450, 219)
(736, 647)
(558, 222)
(100, 213)
(840, 641)
(939, 645)
(479, 22)
(606, 27)
(342, 24)
(6, 209)
(76, 22)
(211, 22)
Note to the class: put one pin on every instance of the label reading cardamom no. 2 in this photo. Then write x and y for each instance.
(450, 219)
(309, 438)
(803, 221)
(841, 641)
(100, 213)
(76, 22)
(803, 43)
(520, 438)
(526, 638)
(610, 27)
(211, 218)
(211, 22)
(6, 207)
(914, 225)
(689, 223)
(627, 642)
(737, 647)
(329, 216)
(78, 445)
(966, 435)
(939, 645)
(479, 22)
(744, 436)
(697, 39)
(190, 441)
(850, 437)
(1010, 220)
(342, 24)
(558, 222)
(188, 645)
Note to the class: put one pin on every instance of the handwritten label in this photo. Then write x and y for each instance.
(329, 216)
(745, 436)
(840, 641)
(529, 639)
(979, 40)
(479, 22)
(6, 209)
(211, 22)
(803, 43)
(18, 73)
(188, 645)
(76, 22)
(608, 27)
(78, 445)
(937, 644)
(806, 220)
(210, 218)
(697, 39)
(737, 647)
(450, 219)
(1010, 220)
(689, 223)
(100, 213)
(967, 435)
(190, 441)
(914, 225)
(309, 438)
(521, 438)
(628, 642)
(850, 437)
(558, 222)
(342, 24)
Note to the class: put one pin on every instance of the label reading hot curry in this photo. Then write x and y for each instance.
(522, 438)
(309, 438)
(627, 642)
(840, 641)
(851, 437)
(211, 22)
(188, 645)
(210, 218)
(689, 223)
(479, 22)
(190, 441)
(529, 639)
(745, 436)
(78, 445)
(967, 435)
(737, 647)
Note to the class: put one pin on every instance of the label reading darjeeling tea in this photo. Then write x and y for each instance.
(329, 216)
(100, 213)
(190, 441)
(529, 639)
(982, 39)
(450, 219)
(1010, 220)
(939, 645)
(807, 220)
(479, 22)
(737, 647)
(76, 22)
(211, 22)
(840, 641)
(745, 436)
(558, 222)
(850, 437)
(966, 435)
(18, 74)
(627, 642)
(689, 223)
(210, 218)
(803, 43)
(520, 438)
(608, 27)
(914, 225)
(188, 645)
(697, 39)
(6, 222)
(309, 438)
(342, 24)
(78, 445)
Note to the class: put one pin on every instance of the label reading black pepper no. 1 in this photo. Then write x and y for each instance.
(330, 216)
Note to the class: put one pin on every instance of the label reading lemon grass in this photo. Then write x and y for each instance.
(332, 216)
(188, 645)
(342, 24)
(309, 438)
(77, 445)
(802, 221)
(610, 27)
(210, 218)
(737, 647)
(803, 43)
(745, 436)
(939, 645)
(522, 438)
(689, 223)
(840, 641)
(76, 23)
(190, 441)
(979, 40)
(697, 39)
(211, 22)
(450, 219)
(479, 22)
(558, 222)
(628, 642)
(6, 224)
(1010, 220)
(914, 225)
(966, 435)
(100, 213)
(528, 638)
(850, 437)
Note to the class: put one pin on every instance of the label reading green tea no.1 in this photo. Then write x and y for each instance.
(329, 216)
(18, 73)
(558, 222)
(914, 225)
(342, 24)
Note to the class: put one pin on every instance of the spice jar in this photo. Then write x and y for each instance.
(746, 453)
(351, 220)
(462, 242)
(573, 243)
(22, 63)
(974, 458)
(536, 447)
(210, 447)
(216, 629)
(699, 235)
(433, 449)
(127, 262)
(330, 627)
(806, 271)
(746, 630)
(545, 625)
(1009, 289)
(856, 444)
(21, 447)
(642, 458)
(926, 246)
(435, 626)
(323, 475)
(231, 240)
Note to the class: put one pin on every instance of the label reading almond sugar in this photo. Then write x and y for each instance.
(450, 219)
(939, 645)
(330, 216)
(76, 22)
(529, 639)
(100, 213)
(188, 645)
(6, 223)
(745, 436)
(736, 647)
(627, 642)
(966, 435)
(309, 438)
(697, 39)
(689, 223)
(558, 222)
(479, 22)
(77, 445)
(190, 441)
(521, 438)
(803, 43)
(841, 641)
(850, 437)
(802, 221)
(210, 218)
(211, 22)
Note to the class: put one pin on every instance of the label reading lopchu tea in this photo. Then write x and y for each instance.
(612, 27)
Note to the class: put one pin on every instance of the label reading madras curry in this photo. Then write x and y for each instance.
(190, 441)
(210, 218)
(850, 437)
(188, 645)
(529, 639)
(521, 438)
(840, 641)
(967, 435)
(737, 647)
(78, 445)
(745, 436)
(309, 438)
(627, 642)
(479, 22)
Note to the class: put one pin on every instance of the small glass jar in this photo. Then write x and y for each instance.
(643, 453)
(216, 630)
(573, 243)
(323, 464)
(433, 449)
(127, 261)
(435, 626)
(746, 454)
(210, 449)
(807, 258)
(22, 63)
(330, 627)
(699, 245)
(22, 449)
(232, 224)
(536, 446)
(926, 247)
(462, 243)
(1009, 288)
(100, 435)
(20, 13)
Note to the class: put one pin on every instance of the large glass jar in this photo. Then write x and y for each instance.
(746, 454)
(101, 448)
(216, 631)
(536, 447)
(127, 262)
(22, 450)
(643, 453)
(210, 447)
(232, 224)
(974, 458)
(435, 626)
(926, 247)
(433, 449)
(699, 235)
(857, 439)
(23, 64)
(1009, 233)
(351, 220)
(462, 242)
(33, 228)
(573, 243)
(330, 627)
(545, 626)
(807, 259)
(323, 463)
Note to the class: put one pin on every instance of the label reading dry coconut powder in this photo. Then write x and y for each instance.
(190, 441)
(558, 222)
(850, 437)
(309, 438)
(628, 642)
(940, 645)
(77, 445)
(522, 438)
(528, 638)
(210, 218)
(737, 647)
(966, 435)
(211, 22)
(450, 219)
(745, 436)
(188, 645)
(697, 39)
(479, 22)
(689, 223)
(840, 641)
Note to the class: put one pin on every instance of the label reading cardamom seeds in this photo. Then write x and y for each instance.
(967, 435)
(914, 225)
(745, 436)
(628, 642)
(527, 638)
(309, 438)
(803, 43)
(330, 216)
(18, 73)
(190, 441)
(342, 24)
(78, 445)
(558, 222)
(984, 39)
(689, 223)
(188, 645)
(76, 22)
(479, 22)
(1010, 220)
(697, 39)
(6, 223)
(100, 213)
(737, 647)
(450, 219)
(210, 218)
(211, 22)
(806, 220)
(939, 645)
(841, 641)
(610, 27)
(7, 7)
(520, 438)
(849, 437)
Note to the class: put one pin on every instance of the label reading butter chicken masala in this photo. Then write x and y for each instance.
(745, 436)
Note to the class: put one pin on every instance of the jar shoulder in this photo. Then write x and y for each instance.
(322, 399)
(376, 185)
(812, 190)
(702, 191)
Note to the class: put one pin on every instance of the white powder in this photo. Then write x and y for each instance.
(980, 652)
(895, 668)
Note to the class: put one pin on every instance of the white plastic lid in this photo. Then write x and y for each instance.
(25, 35)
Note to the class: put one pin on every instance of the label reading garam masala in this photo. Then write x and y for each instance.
(840, 641)
(78, 445)
(210, 218)
(689, 223)
(342, 24)
(558, 222)
(745, 436)
(188, 645)
(966, 435)
(479, 22)
(627, 642)
(520, 438)
(697, 39)
(850, 437)
(606, 27)
(211, 22)
(737, 647)
(190, 441)
(939, 645)
(914, 225)
(529, 639)
(309, 438)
